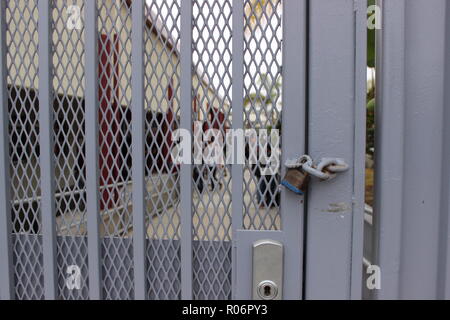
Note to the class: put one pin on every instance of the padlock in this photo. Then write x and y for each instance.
(296, 180)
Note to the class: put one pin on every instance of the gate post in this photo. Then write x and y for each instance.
(337, 81)
(389, 143)
(444, 265)
(294, 145)
(360, 74)
(411, 212)
(6, 269)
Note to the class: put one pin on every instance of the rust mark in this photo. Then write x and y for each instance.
(339, 207)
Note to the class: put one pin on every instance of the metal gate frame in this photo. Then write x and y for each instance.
(292, 209)
(336, 126)
(323, 256)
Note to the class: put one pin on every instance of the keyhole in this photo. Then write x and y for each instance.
(267, 291)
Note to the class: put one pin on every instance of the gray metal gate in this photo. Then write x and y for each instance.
(92, 92)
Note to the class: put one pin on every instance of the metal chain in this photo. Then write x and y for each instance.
(326, 169)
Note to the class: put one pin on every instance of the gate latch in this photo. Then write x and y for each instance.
(300, 170)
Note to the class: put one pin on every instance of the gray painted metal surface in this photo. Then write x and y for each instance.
(92, 170)
(97, 143)
(359, 149)
(293, 141)
(138, 147)
(238, 123)
(186, 169)
(411, 207)
(336, 111)
(444, 263)
(390, 139)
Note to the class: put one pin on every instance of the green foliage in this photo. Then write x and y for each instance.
(370, 136)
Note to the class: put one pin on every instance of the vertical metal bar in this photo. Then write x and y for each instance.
(360, 148)
(389, 142)
(444, 272)
(186, 169)
(402, 255)
(6, 270)
(293, 145)
(46, 147)
(332, 105)
(424, 129)
(423, 66)
(138, 141)
(237, 172)
(424, 132)
(92, 155)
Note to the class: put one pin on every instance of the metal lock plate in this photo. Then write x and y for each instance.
(267, 270)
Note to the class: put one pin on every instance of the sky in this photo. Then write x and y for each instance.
(213, 50)
(219, 23)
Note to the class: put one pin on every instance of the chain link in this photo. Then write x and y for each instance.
(326, 169)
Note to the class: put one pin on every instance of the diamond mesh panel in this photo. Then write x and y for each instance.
(262, 89)
(69, 137)
(212, 56)
(22, 79)
(162, 100)
(211, 84)
(115, 147)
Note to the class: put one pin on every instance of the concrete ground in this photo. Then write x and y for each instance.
(212, 212)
